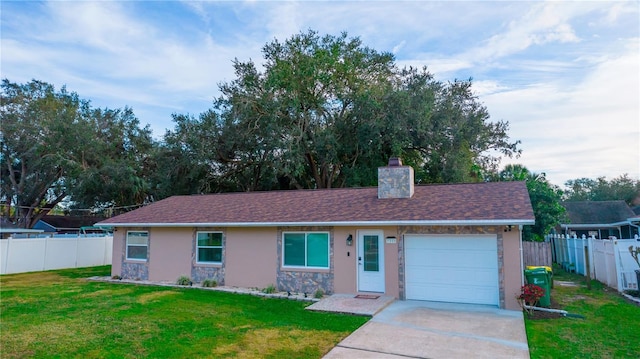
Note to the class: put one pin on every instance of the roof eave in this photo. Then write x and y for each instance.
(626, 222)
(482, 222)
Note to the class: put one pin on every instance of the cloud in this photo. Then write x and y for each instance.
(398, 47)
(586, 130)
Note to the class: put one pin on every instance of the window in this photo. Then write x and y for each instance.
(209, 247)
(137, 245)
(306, 249)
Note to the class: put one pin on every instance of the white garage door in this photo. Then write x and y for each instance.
(459, 269)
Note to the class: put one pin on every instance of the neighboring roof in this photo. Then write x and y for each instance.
(70, 222)
(19, 230)
(476, 203)
(597, 212)
(7, 226)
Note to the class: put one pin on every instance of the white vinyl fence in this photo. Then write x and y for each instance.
(610, 261)
(19, 255)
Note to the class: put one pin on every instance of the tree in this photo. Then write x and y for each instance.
(620, 188)
(326, 111)
(545, 200)
(443, 130)
(55, 147)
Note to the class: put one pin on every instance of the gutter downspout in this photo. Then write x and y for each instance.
(521, 256)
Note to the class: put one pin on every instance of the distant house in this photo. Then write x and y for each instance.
(10, 229)
(451, 243)
(66, 224)
(601, 219)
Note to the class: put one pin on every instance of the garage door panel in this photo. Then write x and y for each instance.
(448, 276)
(464, 259)
(444, 293)
(452, 269)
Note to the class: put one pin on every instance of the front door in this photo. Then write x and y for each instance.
(370, 261)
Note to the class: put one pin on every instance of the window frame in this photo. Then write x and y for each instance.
(221, 246)
(146, 246)
(306, 257)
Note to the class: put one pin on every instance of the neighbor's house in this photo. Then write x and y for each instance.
(452, 243)
(600, 219)
(9, 229)
(65, 224)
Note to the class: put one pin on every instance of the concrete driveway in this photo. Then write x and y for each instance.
(416, 329)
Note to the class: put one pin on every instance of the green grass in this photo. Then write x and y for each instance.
(611, 328)
(60, 314)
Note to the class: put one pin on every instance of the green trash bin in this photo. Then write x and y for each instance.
(541, 278)
(549, 270)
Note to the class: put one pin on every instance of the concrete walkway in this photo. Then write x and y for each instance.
(416, 329)
(368, 305)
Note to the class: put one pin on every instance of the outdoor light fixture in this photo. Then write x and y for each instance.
(350, 240)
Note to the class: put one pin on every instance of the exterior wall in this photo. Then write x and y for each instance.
(250, 257)
(392, 259)
(345, 260)
(170, 255)
(117, 250)
(512, 269)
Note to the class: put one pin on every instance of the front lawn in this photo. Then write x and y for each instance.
(60, 314)
(611, 328)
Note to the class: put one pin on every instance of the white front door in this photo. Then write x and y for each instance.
(370, 261)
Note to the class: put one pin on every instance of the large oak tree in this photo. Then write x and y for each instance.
(55, 147)
(326, 111)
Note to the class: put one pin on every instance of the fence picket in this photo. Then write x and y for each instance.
(610, 260)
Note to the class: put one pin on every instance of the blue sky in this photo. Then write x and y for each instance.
(566, 75)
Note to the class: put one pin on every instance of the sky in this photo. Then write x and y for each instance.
(565, 75)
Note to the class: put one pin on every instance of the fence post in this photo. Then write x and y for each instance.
(5, 264)
(587, 268)
(618, 275)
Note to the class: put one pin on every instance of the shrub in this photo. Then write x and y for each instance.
(183, 280)
(270, 289)
(530, 295)
(116, 277)
(318, 294)
(209, 283)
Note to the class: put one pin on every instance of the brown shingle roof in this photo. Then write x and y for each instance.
(494, 202)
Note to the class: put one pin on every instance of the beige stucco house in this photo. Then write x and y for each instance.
(452, 243)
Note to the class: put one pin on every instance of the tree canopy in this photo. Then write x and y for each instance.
(620, 188)
(545, 200)
(55, 147)
(326, 111)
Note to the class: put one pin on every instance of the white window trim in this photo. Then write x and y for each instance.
(221, 246)
(305, 250)
(127, 245)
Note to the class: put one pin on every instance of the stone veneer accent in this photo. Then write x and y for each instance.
(395, 182)
(137, 270)
(496, 230)
(304, 280)
(199, 271)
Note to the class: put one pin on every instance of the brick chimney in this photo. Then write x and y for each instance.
(395, 180)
